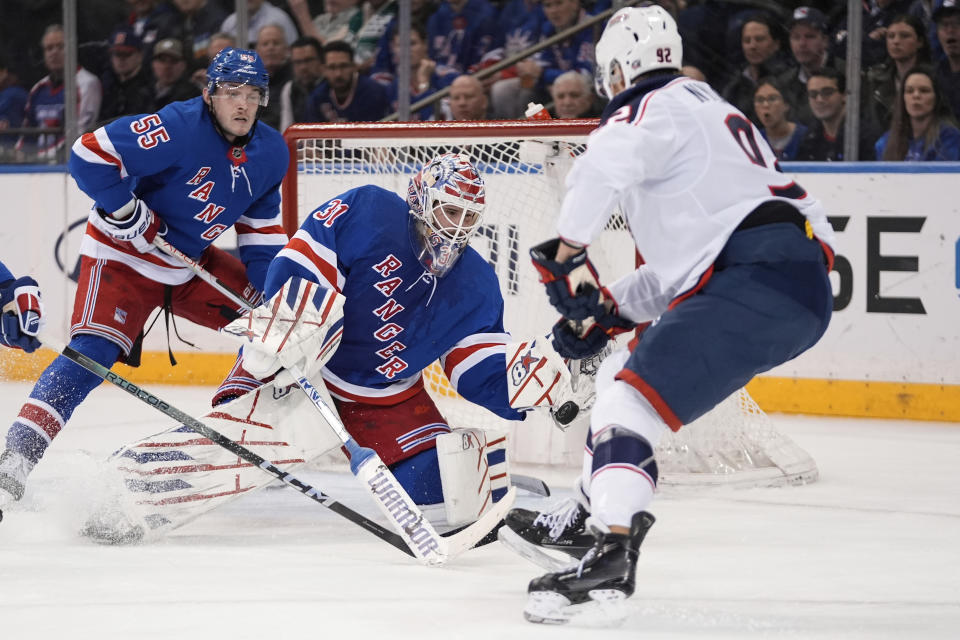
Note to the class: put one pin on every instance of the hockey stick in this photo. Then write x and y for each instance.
(407, 518)
(242, 452)
(393, 500)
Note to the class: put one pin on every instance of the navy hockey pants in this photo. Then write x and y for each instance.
(768, 300)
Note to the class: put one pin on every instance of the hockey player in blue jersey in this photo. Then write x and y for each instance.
(399, 289)
(735, 280)
(188, 172)
(22, 311)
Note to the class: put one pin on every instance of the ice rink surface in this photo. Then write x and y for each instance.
(870, 551)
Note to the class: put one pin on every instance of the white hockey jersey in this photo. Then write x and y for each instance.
(686, 167)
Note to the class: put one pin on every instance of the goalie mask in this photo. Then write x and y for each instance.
(446, 200)
(634, 42)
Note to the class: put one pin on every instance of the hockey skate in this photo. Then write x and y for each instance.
(562, 529)
(14, 469)
(593, 592)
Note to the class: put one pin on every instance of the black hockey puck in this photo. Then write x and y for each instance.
(566, 412)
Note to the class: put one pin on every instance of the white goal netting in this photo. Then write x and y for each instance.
(523, 165)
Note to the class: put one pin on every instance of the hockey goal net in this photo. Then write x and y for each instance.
(523, 165)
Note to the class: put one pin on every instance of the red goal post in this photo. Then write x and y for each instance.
(524, 164)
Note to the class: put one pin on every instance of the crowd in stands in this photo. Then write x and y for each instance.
(781, 62)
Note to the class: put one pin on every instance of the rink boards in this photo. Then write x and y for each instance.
(891, 349)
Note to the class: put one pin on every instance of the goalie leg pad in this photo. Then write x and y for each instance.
(473, 465)
(168, 479)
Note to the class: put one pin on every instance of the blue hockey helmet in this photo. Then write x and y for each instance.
(239, 66)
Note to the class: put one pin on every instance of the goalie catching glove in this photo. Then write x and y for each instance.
(299, 326)
(538, 378)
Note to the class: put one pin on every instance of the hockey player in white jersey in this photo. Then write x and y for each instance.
(735, 277)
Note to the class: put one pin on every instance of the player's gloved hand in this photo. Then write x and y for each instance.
(575, 342)
(22, 315)
(301, 325)
(572, 286)
(139, 227)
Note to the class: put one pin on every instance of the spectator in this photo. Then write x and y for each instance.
(273, 50)
(193, 23)
(923, 129)
(260, 14)
(377, 15)
(468, 101)
(809, 44)
(573, 96)
(826, 90)
(341, 20)
(423, 76)
(906, 47)
(761, 40)
(460, 34)
(773, 111)
(384, 66)
(345, 95)
(877, 17)
(170, 75)
(946, 16)
(218, 42)
(145, 20)
(536, 73)
(704, 29)
(13, 99)
(514, 15)
(45, 102)
(127, 87)
(305, 58)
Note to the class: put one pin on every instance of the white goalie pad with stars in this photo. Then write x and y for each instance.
(473, 471)
(168, 479)
(301, 325)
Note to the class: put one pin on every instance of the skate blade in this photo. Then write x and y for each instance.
(533, 553)
(605, 608)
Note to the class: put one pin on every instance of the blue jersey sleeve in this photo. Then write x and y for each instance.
(477, 366)
(106, 162)
(325, 245)
(5, 273)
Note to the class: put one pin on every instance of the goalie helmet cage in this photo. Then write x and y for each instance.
(524, 164)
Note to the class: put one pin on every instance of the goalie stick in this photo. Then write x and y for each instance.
(422, 539)
(218, 438)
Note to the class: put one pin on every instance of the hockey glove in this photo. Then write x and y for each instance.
(139, 227)
(572, 286)
(572, 341)
(300, 326)
(22, 314)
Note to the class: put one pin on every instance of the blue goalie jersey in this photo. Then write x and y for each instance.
(398, 318)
